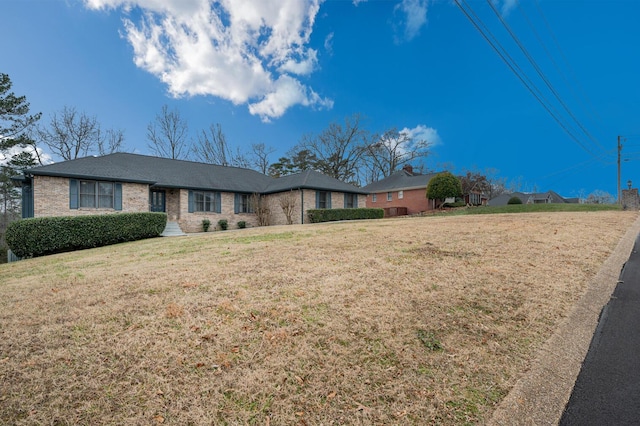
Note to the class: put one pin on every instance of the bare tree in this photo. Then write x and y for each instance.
(168, 134)
(288, 205)
(70, 134)
(600, 197)
(212, 148)
(338, 149)
(260, 153)
(110, 142)
(392, 150)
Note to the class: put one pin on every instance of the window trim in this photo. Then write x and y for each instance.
(215, 202)
(389, 196)
(349, 196)
(77, 199)
(374, 198)
(327, 200)
(400, 195)
(242, 203)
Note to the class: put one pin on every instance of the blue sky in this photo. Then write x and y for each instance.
(270, 71)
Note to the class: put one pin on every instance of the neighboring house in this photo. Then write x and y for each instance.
(549, 197)
(187, 191)
(404, 192)
(476, 198)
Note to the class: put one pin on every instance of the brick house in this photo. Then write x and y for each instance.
(402, 193)
(187, 191)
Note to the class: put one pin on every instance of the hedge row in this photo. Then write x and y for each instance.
(49, 235)
(328, 215)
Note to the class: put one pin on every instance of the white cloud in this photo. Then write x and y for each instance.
(11, 152)
(328, 43)
(422, 132)
(414, 16)
(244, 51)
(507, 6)
(287, 92)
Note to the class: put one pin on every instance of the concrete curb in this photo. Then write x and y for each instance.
(540, 396)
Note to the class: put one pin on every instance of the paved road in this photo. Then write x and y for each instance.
(607, 391)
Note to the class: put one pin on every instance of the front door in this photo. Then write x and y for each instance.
(158, 201)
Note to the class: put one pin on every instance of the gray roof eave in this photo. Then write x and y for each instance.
(89, 177)
(406, 188)
(316, 188)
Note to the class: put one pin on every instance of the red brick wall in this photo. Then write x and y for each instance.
(415, 200)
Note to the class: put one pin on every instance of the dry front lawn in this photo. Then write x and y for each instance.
(404, 321)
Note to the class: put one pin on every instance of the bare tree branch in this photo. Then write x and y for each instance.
(392, 150)
(338, 149)
(168, 134)
(71, 134)
(261, 153)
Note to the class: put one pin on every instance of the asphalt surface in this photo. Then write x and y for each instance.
(607, 391)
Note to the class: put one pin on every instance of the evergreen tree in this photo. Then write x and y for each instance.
(15, 120)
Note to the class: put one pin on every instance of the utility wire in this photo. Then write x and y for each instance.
(523, 79)
(573, 88)
(567, 64)
(542, 75)
(579, 165)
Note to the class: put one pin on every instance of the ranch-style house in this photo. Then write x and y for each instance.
(187, 191)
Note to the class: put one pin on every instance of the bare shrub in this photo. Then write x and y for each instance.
(288, 205)
(262, 208)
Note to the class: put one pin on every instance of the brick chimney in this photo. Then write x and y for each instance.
(407, 168)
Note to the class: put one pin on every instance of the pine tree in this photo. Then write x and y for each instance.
(15, 120)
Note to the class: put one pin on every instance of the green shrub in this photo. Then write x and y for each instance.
(223, 224)
(242, 224)
(49, 235)
(444, 185)
(206, 223)
(328, 215)
(514, 200)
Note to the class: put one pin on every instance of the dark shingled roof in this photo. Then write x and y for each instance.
(400, 180)
(168, 173)
(311, 179)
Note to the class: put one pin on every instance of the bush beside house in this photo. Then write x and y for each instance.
(48, 235)
(329, 215)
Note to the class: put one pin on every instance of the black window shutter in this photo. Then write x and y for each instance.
(73, 194)
(191, 207)
(117, 201)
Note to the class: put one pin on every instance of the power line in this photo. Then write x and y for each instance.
(541, 73)
(566, 62)
(523, 78)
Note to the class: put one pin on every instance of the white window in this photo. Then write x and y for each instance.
(389, 196)
(400, 195)
(374, 197)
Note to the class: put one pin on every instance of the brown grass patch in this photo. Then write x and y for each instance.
(409, 321)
